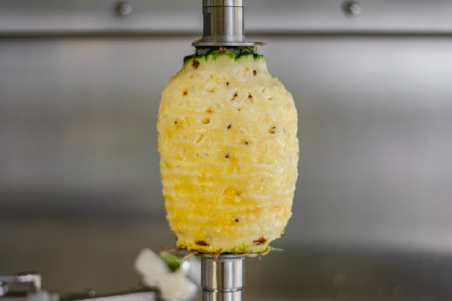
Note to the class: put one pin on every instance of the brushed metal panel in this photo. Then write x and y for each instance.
(78, 122)
(375, 130)
(262, 16)
(99, 15)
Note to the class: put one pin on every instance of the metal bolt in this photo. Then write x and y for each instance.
(352, 8)
(123, 9)
(90, 293)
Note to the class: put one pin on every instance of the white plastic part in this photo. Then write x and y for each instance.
(173, 285)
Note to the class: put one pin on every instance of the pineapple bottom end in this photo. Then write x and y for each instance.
(216, 246)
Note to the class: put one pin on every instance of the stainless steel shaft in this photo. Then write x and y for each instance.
(224, 24)
(222, 279)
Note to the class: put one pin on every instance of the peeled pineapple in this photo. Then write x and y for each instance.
(227, 135)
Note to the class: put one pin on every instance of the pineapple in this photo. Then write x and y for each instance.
(227, 136)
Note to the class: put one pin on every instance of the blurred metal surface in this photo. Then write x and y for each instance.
(134, 295)
(37, 294)
(263, 16)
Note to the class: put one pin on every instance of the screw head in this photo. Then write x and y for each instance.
(123, 9)
(90, 293)
(352, 8)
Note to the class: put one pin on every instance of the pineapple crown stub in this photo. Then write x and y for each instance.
(224, 24)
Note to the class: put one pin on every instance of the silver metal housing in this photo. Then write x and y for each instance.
(222, 278)
(224, 24)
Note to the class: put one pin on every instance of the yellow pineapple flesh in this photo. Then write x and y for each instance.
(227, 136)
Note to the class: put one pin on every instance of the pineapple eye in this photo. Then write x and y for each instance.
(195, 64)
(206, 121)
(254, 72)
(229, 126)
(185, 92)
(259, 241)
(272, 130)
(202, 243)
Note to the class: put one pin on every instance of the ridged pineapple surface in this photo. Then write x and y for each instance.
(227, 133)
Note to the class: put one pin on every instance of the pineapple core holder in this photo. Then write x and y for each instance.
(224, 24)
(222, 278)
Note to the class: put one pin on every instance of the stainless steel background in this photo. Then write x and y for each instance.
(80, 190)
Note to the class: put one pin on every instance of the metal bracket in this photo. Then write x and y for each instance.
(34, 278)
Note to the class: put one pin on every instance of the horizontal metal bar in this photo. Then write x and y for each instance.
(252, 35)
(262, 16)
(7, 279)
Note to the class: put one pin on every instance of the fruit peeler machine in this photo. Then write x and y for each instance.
(222, 277)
